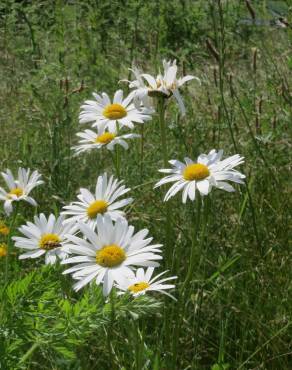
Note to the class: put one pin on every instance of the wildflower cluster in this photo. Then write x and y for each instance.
(110, 118)
(92, 233)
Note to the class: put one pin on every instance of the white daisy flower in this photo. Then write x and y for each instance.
(97, 140)
(207, 172)
(106, 114)
(166, 85)
(103, 202)
(140, 89)
(19, 188)
(109, 255)
(143, 282)
(44, 236)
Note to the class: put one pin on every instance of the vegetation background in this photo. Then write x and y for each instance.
(237, 312)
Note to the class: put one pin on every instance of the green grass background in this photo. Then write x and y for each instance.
(237, 310)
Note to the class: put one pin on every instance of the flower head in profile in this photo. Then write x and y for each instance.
(3, 250)
(164, 85)
(103, 113)
(140, 89)
(43, 237)
(143, 282)
(207, 172)
(109, 255)
(101, 139)
(19, 188)
(103, 202)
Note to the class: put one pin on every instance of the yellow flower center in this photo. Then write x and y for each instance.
(98, 206)
(138, 287)
(196, 171)
(16, 191)
(4, 230)
(105, 138)
(49, 241)
(114, 111)
(110, 256)
(3, 250)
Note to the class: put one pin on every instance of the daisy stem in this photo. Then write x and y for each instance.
(118, 161)
(110, 334)
(112, 300)
(181, 308)
(161, 111)
(142, 152)
(195, 227)
(115, 159)
(203, 252)
(9, 241)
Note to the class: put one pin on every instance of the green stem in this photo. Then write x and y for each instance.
(29, 352)
(118, 159)
(117, 150)
(114, 157)
(9, 241)
(168, 222)
(161, 112)
(142, 153)
(203, 250)
(162, 123)
(110, 333)
(195, 227)
(183, 294)
(112, 300)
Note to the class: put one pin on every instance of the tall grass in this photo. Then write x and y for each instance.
(233, 309)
